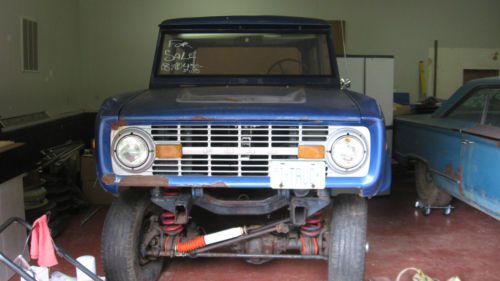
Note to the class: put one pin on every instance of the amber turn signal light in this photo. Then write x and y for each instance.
(311, 151)
(169, 151)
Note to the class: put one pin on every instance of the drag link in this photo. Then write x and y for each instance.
(253, 234)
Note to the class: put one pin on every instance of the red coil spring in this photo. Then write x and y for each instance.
(313, 225)
(309, 246)
(168, 218)
(310, 232)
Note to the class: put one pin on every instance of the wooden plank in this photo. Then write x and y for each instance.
(338, 33)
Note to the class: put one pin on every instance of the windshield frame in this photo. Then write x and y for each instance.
(162, 81)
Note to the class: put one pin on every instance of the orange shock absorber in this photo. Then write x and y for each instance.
(202, 241)
(188, 246)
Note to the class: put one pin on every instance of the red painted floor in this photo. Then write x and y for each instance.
(466, 244)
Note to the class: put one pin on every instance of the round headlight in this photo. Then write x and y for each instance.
(133, 149)
(348, 151)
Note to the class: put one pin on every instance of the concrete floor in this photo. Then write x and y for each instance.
(465, 244)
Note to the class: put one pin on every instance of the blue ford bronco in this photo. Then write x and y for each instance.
(245, 145)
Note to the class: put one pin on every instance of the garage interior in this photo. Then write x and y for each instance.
(60, 59)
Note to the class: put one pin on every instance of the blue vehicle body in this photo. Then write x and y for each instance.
(463, 156)
(325, 104)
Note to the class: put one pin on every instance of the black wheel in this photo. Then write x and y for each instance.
(347, 249)
(428, 193)
(124, 227)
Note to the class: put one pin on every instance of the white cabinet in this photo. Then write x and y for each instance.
(379, 84)
(372, 76)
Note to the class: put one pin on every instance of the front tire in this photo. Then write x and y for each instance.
(347, 249)
(428, 192)
(121, 238)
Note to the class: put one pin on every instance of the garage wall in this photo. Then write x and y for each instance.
(451, 65)
(52, 88)
(118, 37)
(407, 29)
(91, 49)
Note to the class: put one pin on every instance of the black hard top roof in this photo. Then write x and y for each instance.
(264, 21)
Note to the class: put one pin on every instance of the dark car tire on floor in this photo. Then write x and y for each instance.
(121, 238)
(428, 192)
(347, 249)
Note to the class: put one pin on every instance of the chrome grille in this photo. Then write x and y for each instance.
(231, 150)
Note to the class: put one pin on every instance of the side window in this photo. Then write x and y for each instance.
(493, 111)
(471, 109)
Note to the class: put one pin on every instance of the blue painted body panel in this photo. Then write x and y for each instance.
(480, 171)
(468, 171)
(324, 104)
(318, 106)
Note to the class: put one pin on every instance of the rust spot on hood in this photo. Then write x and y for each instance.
(118, 124)
(108, 179)
(149, 181)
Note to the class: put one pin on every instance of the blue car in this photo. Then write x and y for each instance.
(457, 148)
(245, 119)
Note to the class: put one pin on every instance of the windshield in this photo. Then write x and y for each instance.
(244, 54)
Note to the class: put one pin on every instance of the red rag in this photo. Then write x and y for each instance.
(41, 243)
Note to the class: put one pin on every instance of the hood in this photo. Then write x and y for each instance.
(242, 103)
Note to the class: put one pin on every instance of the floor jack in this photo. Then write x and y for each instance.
(59, 251)
(427, 209)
